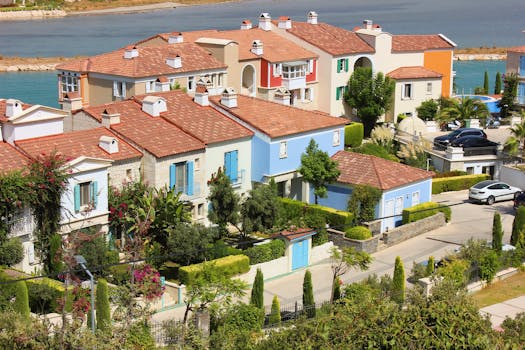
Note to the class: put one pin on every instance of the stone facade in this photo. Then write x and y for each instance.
(370, 245)
(407, 231)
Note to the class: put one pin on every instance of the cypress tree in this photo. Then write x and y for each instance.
(497, 233)
(257, 296)
(308, 294)
(430, 266)
(55, 245)
(337, 289)
(398, 282)
(497, 85)
(486, 83)
(102, 306)
(275, 316)
(518, 228)
(21, 304)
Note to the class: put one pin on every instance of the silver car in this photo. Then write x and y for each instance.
(490, 191)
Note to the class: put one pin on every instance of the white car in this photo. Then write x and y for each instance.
(491, 191)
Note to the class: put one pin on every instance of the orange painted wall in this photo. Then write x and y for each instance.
(312, 76)
(441, 61)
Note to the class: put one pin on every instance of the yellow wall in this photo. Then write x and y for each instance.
(441, 61)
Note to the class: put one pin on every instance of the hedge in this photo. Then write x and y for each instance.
(293, 209)
(456, 183)
(266, 252)
(354, 134)
(423, 210)
(44, 295)
(229, 265)
(358, 232)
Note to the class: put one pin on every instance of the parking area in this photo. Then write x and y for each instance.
(499, 135)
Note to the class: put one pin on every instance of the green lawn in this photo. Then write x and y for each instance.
(509, 288)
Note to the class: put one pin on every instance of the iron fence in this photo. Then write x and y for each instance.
(294, 311)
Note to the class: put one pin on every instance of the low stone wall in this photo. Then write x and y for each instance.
(404, 232)
(370, 245)
(35, 14)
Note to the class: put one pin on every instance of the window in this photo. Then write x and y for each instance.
(119, 89)
(191, 83)
(415, 198)
(181, 177)
(310, 66)
(231, 165)
(521, 93)
(219, 79)
(336, 138)
(277, 69)
(340, 92)
(85, 195)
(150, 86)
(69, 83)
(200, 210)
(292, 72)
(308, 95)
(407, 91)
(429, 88)
(342, 65)
(283, 149)
(522, 65)
(197, 163)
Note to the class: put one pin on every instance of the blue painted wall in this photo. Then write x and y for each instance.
(260, 158)
(337, 197)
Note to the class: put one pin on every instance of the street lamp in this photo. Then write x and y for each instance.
(82, 262)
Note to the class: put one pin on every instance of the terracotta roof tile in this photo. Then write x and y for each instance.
(364, 169)
(414, 72)
(79, 143)
(151, 61)
(336, 41)
(3, 117)
(154, 134)
(11, 159)
(201, 122)
(419, 42)
(292, 235)
(277, 120)
(517, 49)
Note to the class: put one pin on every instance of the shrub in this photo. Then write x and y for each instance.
(275, 314)
(44, 295)
(119, 274)
(102, 306)
(456, 183)
(97, 254)
(292, 209)
(374, 149)
(220, 249)
(11, 252)
(229, 265)
(266, 252)
(358, 232)
(488, 266)
(450, 174)
(423, 210)
(257, 296)
(497, 232)
(55, 246)
(398, 282)
(517, 237)
(21, 304)
(354, 134)
(308, 294)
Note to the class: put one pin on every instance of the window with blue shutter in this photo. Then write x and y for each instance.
(522, 66)
(231, 165)
(77, 198)
(173, 179)
(94, 194)
(189, 176)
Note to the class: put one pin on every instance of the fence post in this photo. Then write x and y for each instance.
(295, 313)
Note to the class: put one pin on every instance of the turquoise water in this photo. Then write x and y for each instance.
(470, 74)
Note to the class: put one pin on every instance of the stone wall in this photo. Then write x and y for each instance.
(370, 245)
(404, 232)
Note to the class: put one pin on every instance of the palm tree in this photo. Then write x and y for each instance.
(466, 108)
(517, 140)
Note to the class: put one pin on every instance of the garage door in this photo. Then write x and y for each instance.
(300, 254)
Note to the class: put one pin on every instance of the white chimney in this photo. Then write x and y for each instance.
(265, 21)
(131, 52)
(282, 96)
(201, 95)
(246, 24)
(367, 24)
(13, 108)
(175, 62)
(229, 98)
(154, 105)
(110, 117)
(257, 47)
(108, 144)
(312, 17)
(285, 22)
(162, 84)
(72, 101)
(175, 38)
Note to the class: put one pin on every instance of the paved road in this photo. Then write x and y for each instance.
(468, 220)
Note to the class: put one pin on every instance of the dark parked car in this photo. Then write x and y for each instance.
(472, 141)
(445, 140)
(519, 200)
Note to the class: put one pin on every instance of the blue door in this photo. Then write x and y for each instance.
(300, 254)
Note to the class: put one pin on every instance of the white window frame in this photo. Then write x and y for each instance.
(150, 86)
(429, 88)
(277, 69)
(196, 164)
(310, 66)
(404, 94)
(69, 83)
(220, 79)
(283, 149)
(341, 65)
(336, 138)
(294, 72)
(415, 194)
(308, 95)
(119, 89)
(86, 196)
(191, 83)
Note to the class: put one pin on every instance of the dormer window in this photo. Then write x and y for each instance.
(68, 83)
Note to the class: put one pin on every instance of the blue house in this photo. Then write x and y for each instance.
(281, 135)
(402, 186)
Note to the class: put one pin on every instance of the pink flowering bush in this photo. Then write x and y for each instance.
(147, 282)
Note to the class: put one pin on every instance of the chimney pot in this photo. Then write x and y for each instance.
(246, 24)
(175, 38)
(131, 52)
(285, 22)
(175, 62)
(257, 47)
(108, 144)
(13, 108)
(265, 21)
(229, 98)
(367, 24)
(110, 117)
(312, 17)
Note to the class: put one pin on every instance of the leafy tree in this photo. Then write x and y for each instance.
(102, 306)
(363, 202)
(517, 139)
(275, 315)
(308, 294)
(454, 271)
(95, 250)
(486, 83)
(399, 282)
(187, 243)
(466, 108)
(238, 327)
(514, 329)
(11, 251)
(431, 265)
(344, 260)
(497, 84)
(497, 233)
(318, 169)
(21, 304)
(371, 95)
(259, 211)
(121, 202)
(257, 296)
(427, 110)
(510, 91)
(488, 266)
(224, 202)
(517, 237)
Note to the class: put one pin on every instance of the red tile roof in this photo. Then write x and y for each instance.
(202, 122)
(336, 41)
(292, 235)
(79, 143)
(277, 120)
(151, 61)
(11, 159)
(414, 72)
(419, 42)
(275, 47)
(3, 117)
(364, 169)
(517, 49)
(154, 134)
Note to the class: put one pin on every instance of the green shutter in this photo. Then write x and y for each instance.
(346, 65)
(77, 198)
(337, 93)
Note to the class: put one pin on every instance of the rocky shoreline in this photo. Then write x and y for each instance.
(479, 57)
(33, 14)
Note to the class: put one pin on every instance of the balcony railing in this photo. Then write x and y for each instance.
(184, 190)
(240, 178)
(21, 225)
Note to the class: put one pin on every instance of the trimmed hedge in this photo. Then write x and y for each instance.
(266, 252)
(423, 210)
(358, 232)
(229, 265)
(456, 183)
(450, 174)
(354, 134)
(293, 209)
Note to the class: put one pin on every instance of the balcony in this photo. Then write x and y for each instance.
(241, 177)
(294, 75)
(184, 190)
